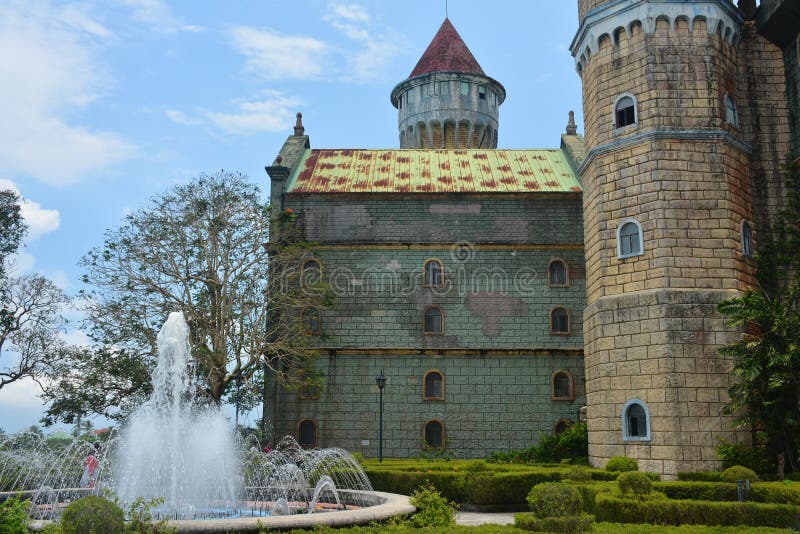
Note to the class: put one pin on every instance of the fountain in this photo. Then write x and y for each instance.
(184, 453)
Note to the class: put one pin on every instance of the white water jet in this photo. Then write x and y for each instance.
(174, 448)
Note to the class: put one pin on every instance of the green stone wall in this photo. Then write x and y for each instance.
(492, 403)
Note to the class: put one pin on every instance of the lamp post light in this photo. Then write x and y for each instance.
(381, 381)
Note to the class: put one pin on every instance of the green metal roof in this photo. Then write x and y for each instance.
(433, 171)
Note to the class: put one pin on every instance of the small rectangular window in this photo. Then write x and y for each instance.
(465, 88)
(444, 88)
(481, 92)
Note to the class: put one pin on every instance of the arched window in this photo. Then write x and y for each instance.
(557, 275)
(563, 386)
(559, 321)
(434, 386)
(635, 421)
(434, 321)
(434, 434)
(625, 112)
(629, 239)
(731, 116)
(311, 321)
(307, 433)
(311, 272)
(747, 239)
(433, 273)
(561, 426)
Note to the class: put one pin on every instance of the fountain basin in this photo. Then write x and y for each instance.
(382, 506)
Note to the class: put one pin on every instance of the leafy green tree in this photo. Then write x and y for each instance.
(766, 392)
(12, 226)
(199, 248)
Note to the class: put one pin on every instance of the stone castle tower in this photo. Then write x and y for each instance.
(669, 218)
(448, 101)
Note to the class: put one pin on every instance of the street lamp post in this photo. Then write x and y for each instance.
(381, 381)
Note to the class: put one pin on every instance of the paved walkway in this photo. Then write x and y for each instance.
(474, 518)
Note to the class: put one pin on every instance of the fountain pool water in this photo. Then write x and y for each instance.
(176, 449)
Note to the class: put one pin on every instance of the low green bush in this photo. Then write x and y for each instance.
(698, 491)
(673, 512)
(775, 492)
(755, 458)
(92, 515)
(576, 524)
(638, 484)
(700, 476)
(621, 463)
(14, 516)
(555, 500)
(579, 474)
(433, 510)
(739, 472)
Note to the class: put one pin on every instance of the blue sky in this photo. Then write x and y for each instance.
(105, 104)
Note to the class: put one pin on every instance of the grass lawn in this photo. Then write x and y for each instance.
(600, 528)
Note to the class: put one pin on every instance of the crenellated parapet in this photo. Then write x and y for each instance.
(610, 20)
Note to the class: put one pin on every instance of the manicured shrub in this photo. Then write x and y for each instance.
(754, 458)
(672, 512)
(579, 474)
(14, 516)
(555, 500)
(476, 466)
(775, 492)
(621, 463)
(738, 472)
(433, 510)
(700, 476)
(698, 491)
(92, 515)
(576, 524)
(638, 484)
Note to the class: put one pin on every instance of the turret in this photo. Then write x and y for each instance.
(448, 101)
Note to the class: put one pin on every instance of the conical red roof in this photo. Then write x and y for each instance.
(447, 52)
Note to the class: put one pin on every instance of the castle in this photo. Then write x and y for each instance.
(508, 293)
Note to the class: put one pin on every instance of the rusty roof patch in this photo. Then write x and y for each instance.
(433, 171)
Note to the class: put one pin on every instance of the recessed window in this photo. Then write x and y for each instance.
(434, 321)
(629, 239)
(559, 321)
(434, 386)
(307, 433)
(444, 88)
(311, 272)
(465, 88)
(434, 434)
(747, 240)
(635, 421)
(561, 426)
(624, 111)
(563, 386)
(434, 273)
(481, 92)
(557, 274)
(731, 116)
(311, 321)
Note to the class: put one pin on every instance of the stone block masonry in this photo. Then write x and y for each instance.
(492, 402)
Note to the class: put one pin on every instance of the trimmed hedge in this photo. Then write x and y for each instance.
(485, 488)
(669, 512)
(763, 492)
(700, 476)
(576, 524)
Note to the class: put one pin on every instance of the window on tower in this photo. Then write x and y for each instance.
(624, 111)
(629, 239)
(635, 421)
(747, 239)
(465, 88)
(481, 92)
(731, 117)
(434, 435)
(559, 321)
(434, 386)
(557, 274)
(563, 386)
(434, 274)
(444, 88)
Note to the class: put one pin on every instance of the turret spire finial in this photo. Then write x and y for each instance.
(298, 126)
(572, 128)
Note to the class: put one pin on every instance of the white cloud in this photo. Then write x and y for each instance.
(24, 393)
(270, 111)
(54, 72)
(375, 50)
(159, 17)
(40, 221)
(21, 263)
(272, 56)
